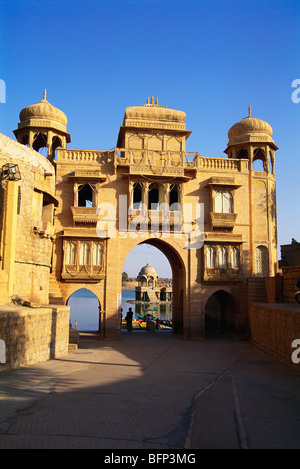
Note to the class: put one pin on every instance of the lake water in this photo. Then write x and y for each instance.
(84, 308)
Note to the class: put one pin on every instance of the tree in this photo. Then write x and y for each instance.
(125, 277)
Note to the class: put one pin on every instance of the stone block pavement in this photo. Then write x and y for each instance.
(152, 391)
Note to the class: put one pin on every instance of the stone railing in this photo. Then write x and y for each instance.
(85, 156)
(221, 164)
(151, 160)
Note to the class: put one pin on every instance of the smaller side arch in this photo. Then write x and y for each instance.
(85, 308)
(220, 312)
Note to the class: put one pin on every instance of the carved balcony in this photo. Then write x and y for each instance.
(224, 221)
(227, 274)
(160, 217)
(83, 273)
(85, 215)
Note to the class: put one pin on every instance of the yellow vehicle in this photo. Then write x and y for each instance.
(135, 324)
(142, 324)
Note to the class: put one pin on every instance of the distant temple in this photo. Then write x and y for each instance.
(148, 288)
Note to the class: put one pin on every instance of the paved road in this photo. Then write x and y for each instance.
(152, 391)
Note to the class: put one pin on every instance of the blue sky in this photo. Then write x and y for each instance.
(210, 59)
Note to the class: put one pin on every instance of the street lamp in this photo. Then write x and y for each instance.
(10, 172)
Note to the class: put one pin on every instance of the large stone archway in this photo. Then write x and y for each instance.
(178, 284)
(177, 258)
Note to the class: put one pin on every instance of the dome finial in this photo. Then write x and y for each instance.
(45, 94)
(249, 109)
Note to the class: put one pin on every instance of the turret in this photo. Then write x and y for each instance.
(43, 126)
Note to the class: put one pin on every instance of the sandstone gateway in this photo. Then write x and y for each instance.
(147, 171)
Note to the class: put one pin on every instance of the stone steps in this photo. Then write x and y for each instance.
(55, 296)
(257, 291)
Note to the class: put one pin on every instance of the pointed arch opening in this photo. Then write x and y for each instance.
(84, 310)
(153, 197)
(137, 196)
(167, 292)
(242, 154)
(40, 143)
(173, 196)
(220, 312)
(56, 143)
(259, 160)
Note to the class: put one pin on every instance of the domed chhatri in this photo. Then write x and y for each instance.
(251, 138)
(43, 110)
(42, 125)
(248, 128)
(147, 271)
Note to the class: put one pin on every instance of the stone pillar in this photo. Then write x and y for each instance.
(266, 162)
(10, 232)
(193, 320)
(30, 138)
(145, 194)
(50, 135)
(113, 287)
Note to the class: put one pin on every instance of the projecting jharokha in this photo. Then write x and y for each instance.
(78, 214)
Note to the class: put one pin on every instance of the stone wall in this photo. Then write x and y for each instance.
(34, 229)
(273, 329)
(32, 335)
(290, 276)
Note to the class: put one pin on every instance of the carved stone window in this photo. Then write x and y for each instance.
(223, 264)
(261, 261)
(223, 202)
(234, 258)
(83, 260)
(97, 254)
(70, 254)
(137, 195)
(173, 196)
(153, 196)
(84, 254)
(86, 196)
(210, 258)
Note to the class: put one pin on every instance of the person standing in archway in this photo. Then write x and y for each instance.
(129, 320)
